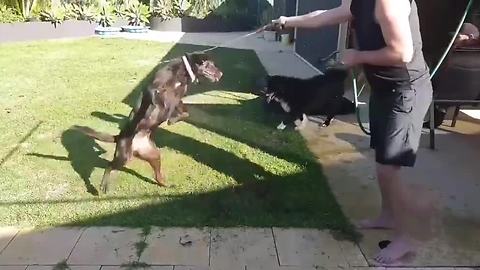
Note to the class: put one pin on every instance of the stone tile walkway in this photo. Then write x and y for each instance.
(111, 248)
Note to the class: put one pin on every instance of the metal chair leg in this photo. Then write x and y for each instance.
(455, 116)
(432, 125)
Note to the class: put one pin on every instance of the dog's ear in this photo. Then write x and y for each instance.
(260, 85)
(197, 58)
(336, 74)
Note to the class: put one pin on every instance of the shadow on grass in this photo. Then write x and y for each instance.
(84, 156)
(259, 198)
(17, 146)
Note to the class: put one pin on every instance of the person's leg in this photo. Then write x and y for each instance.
(385, 218)
(409, 209)
(401, 213)
(376, 111)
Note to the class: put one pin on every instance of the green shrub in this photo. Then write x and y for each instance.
(27, 8)
(137, 13)
(80, 12)
(9, 15)
(105, 17)
(54, 15)
(162, 9)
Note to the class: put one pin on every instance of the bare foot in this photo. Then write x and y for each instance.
(396, 250)
(383, 222)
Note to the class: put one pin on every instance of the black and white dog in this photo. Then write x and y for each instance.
(318, 95)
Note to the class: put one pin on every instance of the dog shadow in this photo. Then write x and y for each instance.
(84, 154)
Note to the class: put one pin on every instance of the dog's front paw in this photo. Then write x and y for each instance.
(281, 126)
(172, 121)
(327, 123)
(301, 124)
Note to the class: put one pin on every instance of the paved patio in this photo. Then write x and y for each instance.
(177, 248)
(254, 248)
(451, 172)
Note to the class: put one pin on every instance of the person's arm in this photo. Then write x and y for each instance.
(317, 18)
(393, 17)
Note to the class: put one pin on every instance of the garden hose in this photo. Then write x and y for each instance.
(432, 74)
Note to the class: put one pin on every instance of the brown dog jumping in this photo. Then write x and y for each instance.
(160, 102)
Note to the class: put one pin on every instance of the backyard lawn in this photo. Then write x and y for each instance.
(227, 164)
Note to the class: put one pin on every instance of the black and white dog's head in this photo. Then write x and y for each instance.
(277, 90)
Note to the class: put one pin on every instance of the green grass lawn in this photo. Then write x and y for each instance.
(227, 163)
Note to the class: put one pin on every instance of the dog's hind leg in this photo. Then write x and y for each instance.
(122, 156)
(332, 109)
(151, 154)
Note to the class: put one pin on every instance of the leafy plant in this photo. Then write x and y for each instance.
(180, 8)
(202, 8)
(162, 9)
(80, 12)
(26, 8)
(167, 9)
(137, 14)
(119, 11)
(9, 15)
(105, 17)
(54, 15)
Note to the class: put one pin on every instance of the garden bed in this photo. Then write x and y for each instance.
(26, 31)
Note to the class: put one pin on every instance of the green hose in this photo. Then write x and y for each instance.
(432, 74)
(459, 27)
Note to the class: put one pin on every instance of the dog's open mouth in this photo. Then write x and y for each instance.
(213, 77)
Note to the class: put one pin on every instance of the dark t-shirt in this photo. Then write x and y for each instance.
(369, 37)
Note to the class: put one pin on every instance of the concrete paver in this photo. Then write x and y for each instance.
(13, 267)
(306, 247)
(48, 246)
(235, 248)
(70, 267)
(123, 267)
(177, 246)
(106, 246)
(6, 236)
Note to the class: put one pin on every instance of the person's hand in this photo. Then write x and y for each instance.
(276, 24)
(462, 37)
(350, 58)
(280, 21)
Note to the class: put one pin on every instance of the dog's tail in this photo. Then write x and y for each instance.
(104, 137)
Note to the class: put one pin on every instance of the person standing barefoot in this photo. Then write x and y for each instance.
(390, 51)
